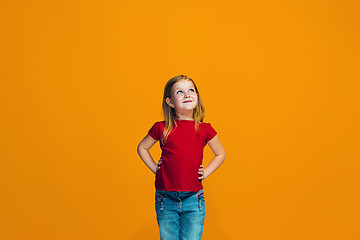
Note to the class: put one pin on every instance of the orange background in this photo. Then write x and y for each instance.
(82, 83)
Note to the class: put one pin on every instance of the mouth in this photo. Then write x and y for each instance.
(187, 101)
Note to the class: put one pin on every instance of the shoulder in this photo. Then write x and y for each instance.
(206, 124)
(156, 130)
(207, 127)
(159, 123)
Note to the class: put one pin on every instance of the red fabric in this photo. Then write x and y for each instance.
(182, 155)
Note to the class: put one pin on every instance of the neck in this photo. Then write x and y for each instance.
(185, 117)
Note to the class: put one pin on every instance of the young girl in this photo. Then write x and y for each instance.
(179, 197)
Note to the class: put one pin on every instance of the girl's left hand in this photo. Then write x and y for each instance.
(201, 172)
(158, 165)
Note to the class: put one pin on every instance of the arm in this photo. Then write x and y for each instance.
(143, 151)
(219, 158)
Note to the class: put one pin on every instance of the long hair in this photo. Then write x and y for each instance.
(169, 112)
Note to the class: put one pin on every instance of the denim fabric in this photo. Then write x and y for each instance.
(180, 215)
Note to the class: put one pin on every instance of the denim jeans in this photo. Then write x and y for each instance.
(180, 215)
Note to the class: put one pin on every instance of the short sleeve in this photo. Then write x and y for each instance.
(210, 132)
(154, 131)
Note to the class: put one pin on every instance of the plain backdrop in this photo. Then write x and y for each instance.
(82, 83)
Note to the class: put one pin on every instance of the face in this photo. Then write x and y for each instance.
(183, 97)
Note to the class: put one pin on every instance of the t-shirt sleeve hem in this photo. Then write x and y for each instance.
(212, 136)
(211, 132)
(152, 135)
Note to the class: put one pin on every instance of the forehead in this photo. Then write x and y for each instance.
(183, 84)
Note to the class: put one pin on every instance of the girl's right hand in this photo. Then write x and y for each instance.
(158, 165)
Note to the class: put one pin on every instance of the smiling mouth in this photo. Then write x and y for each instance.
(187, 101)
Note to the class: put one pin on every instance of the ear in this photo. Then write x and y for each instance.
(168, 101)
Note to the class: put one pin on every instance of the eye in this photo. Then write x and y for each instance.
(191, 90)
(180, 91)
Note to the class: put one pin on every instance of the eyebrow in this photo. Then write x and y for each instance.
(182, 88)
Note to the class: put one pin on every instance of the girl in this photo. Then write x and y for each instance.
(179, 197)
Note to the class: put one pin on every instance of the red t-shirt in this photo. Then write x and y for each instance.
(182, 155)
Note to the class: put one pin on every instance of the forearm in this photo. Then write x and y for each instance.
(147, 159)
(213, 165)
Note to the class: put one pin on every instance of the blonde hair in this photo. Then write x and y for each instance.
(169, 112)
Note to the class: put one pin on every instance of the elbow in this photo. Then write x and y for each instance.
(141, 148)
(223, 156)
(138, 149)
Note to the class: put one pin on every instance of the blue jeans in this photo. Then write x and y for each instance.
(180, 215)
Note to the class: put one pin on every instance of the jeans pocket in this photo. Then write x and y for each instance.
(159, 200)
(201, 199)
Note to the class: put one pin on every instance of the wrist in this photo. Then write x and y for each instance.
(205, 174)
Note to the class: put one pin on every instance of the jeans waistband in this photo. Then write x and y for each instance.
(178, 195)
